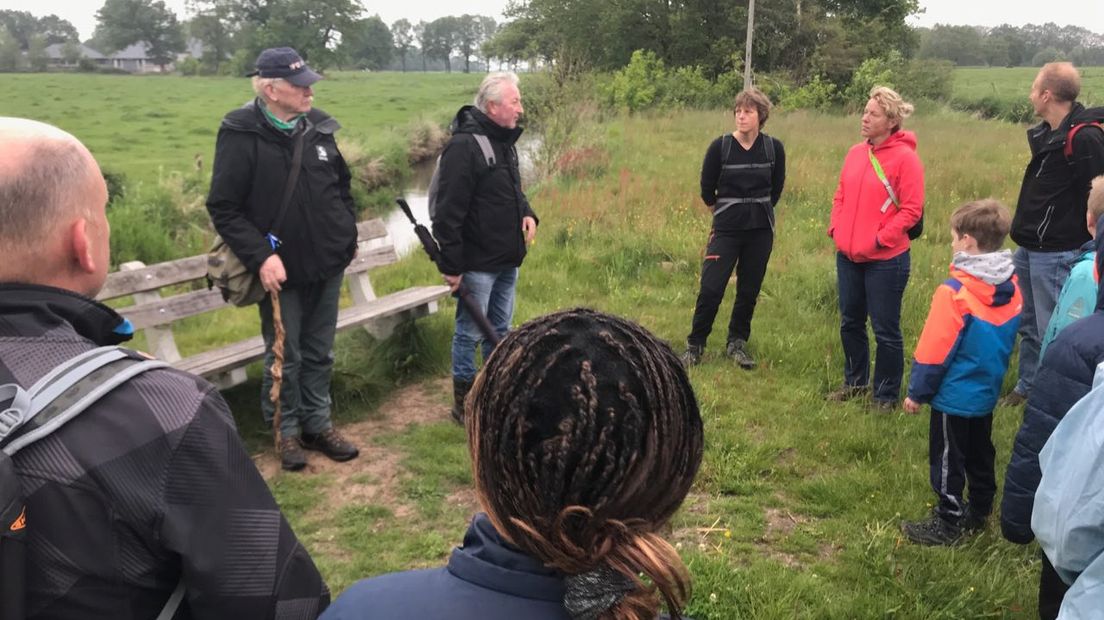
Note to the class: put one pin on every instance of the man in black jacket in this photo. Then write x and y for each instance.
(1049, 225)
(149, 487)
(481, 219)
(301, 257)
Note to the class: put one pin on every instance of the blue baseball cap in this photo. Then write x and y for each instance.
(286, 63)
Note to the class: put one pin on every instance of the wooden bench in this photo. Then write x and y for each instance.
(225, 365)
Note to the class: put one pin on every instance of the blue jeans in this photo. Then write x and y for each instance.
(309, 315)
(1041, 276)
(873, 289)
(494, 292)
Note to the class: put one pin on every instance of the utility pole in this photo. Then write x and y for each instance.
(747, 52)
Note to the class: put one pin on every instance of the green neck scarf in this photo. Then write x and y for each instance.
(287, 126)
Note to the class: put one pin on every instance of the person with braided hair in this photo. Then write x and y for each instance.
(585, 438)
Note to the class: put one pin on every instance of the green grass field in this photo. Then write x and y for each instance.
(1012, 84)
(148, 126)
(796, 511)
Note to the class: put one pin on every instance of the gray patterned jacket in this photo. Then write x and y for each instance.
(149, 486)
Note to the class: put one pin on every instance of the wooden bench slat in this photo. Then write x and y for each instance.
(176, 307)
(231, 356)
(153, 277)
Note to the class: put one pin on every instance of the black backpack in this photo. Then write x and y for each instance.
(28, 415)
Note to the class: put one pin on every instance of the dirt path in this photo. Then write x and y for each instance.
(373, 477)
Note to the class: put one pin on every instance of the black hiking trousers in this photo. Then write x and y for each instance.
(748, 252)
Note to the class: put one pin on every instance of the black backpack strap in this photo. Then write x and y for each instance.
(768, 148)
(726, 147)
(67, 390)
(293, 178)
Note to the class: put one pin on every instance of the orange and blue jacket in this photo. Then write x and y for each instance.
(963, 352)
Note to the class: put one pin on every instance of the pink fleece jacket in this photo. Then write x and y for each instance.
(861, 230)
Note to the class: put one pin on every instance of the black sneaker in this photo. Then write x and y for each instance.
(932, 531)
(291, 454)
(693, 355)
(847, 392)
(737, 350)
(330, 443)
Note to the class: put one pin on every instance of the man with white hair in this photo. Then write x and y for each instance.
(299, 248)
(482, 219)
(149, 492)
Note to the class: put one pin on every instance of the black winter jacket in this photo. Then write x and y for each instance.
(1050, 213)
(477, 220)
(1065, 375)
(148, 485)
(252, 160)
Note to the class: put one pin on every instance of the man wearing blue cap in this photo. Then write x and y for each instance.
(299, 249)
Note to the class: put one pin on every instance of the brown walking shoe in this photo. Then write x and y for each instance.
(291, 454)
(847, 392)
(330, 443)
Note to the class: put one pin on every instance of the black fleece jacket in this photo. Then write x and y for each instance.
(477, 220)
(1050, 214)
(252, 161)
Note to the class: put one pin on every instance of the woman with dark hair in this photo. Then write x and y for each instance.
(879, 199)
(742, 178)
(585, 438)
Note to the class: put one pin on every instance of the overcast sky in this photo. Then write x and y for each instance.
(1088, 13)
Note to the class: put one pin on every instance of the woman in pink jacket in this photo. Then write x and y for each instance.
(879, 199)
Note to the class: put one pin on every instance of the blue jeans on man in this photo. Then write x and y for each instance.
(494, 293)
(1041, 276)
(873, 289)
(309, 314)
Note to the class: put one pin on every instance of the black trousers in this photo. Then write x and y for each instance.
(1051, 591)
(748, 252)
(960, 451)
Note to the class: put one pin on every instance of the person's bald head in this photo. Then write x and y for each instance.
(1061, 79)
(53, 226)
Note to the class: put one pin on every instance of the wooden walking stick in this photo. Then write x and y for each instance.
(277, 369)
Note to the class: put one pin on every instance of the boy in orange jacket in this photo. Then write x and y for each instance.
(958, 369)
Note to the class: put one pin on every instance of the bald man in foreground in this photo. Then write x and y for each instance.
(149, 489)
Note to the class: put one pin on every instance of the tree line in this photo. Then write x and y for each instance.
(1009, 46)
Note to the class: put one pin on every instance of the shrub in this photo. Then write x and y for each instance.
(817, 94)
(687, 87)
(881, 71)
(928, 79)
(638, 85)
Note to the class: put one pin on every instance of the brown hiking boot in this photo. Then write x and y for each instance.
(847, 392)
(291, 454)
(330, 443)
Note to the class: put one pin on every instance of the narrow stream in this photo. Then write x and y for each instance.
(399, 228)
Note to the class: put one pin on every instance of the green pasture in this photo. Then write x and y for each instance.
(1012, 84)
(146, 127)
(797, 508)
(796, 511)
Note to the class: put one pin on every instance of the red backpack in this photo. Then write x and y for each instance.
(1068, 150)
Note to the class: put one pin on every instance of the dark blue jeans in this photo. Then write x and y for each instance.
(874, 290)
(310, 322)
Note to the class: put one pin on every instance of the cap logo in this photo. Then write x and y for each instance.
(296, 65)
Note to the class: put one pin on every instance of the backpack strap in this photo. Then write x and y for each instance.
(1068, 149)
(726, 147)
(485, 145)
(768, 148)
(66, 391)
(882, 177)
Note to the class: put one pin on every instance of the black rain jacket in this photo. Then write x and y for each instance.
(1050, 213)
(252, 160)
(479, 209)
(147, 486)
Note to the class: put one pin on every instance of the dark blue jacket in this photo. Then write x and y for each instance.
(1065, 375)
(485, 579)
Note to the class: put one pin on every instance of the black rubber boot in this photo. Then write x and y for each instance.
(460, 390)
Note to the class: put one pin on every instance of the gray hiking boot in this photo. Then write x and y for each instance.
(737, 351)
(693, 355)
(932, 531)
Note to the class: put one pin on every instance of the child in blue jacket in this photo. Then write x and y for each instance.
(958, 368)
